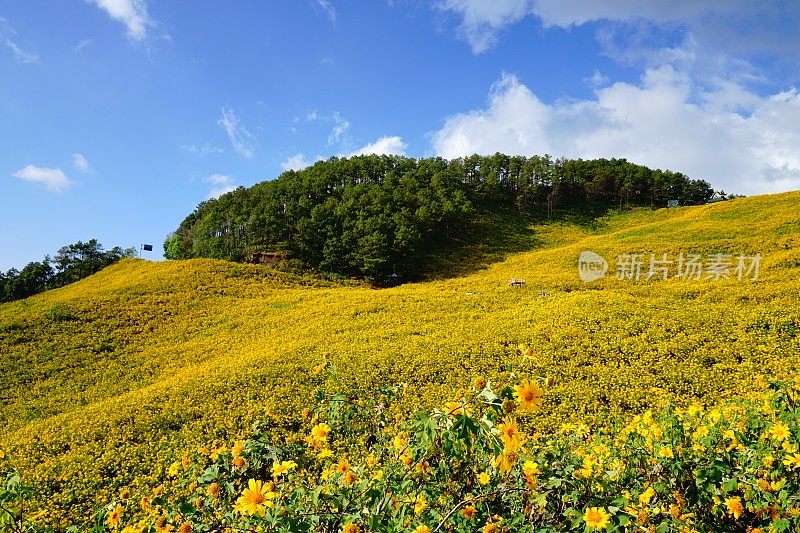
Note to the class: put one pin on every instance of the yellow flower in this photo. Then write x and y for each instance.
(646, 496)
(792, 460)
(162, 526)
(530, 469)
(213, 490)
(779, 431)
(114, 517)
(484, 478)
(778, 484)
(343, 466)
(400, 441)
(529, 396)
(420, 504)
(734, 506)
(238, 448)
(174, 469)
(214, 454)
(490, 528)
(505, 461)
(468, 512)
(255, 499)
(239, 463)
(666, 452)
(319, 435)
(423, 468)
(186, 527)
(422, 529)
(596, 517)
(510, 435)
(278, 469)
(526, 350)
(455, 408)
(350, 528)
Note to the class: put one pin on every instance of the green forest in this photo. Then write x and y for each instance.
(379, 217)
(71, 263)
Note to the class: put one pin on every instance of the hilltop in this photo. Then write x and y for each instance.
(109, 380)
(392, 218)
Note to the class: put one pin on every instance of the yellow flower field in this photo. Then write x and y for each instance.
(109, 382)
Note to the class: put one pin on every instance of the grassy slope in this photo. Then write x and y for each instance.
(106, 381)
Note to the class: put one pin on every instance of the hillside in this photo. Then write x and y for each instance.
(107, 381)
(389, 218)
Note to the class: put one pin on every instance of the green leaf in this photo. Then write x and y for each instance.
(186, 508)
(781, 525)
(730, 485)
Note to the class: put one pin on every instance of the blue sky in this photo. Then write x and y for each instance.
(117, 117)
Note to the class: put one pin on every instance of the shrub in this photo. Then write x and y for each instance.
(475, 464)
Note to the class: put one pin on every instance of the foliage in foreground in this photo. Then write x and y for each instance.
(473, 464)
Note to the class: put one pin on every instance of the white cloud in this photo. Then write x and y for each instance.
(82, 45)
(722, 31)
(735, 139)
(295, 162)
(220, 185)
(384, 146)
(340, 128)
(6, 34)
(482, 21)
(514, 122)
(202, 150)
(53, 179)
(21, 55)
(597, 79)
(566, 13)
(132, 13)
(329, 9)
(241, 139)
(80, 162)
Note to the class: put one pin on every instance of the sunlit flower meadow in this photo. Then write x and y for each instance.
(121, 391)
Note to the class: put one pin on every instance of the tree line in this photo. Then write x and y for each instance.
(71, 263)
(378, 216)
